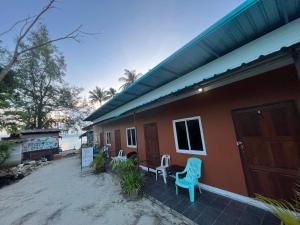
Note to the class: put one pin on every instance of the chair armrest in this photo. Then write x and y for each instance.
(178, 173)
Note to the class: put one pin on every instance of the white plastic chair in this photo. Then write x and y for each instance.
(120, 156)
(164, 164)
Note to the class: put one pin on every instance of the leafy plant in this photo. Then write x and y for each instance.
(120, 167)
(283, 210)
(99, 163)
(131, 182)
(131, 179)
(4, 151)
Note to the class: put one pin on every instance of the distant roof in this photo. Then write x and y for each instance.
(87, 127)
(249, 21)
(40, 131)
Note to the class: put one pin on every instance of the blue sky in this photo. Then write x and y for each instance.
(135, 34)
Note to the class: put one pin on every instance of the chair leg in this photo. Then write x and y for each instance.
(176, 189)
(165, 176)
(156, 174)
(199, 189)
(192, 193)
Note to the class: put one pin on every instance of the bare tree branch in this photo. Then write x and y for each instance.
(72, 35)
(23, 32)
(14, 25)
(28, 25)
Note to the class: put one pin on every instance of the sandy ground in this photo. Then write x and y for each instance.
(59, 194)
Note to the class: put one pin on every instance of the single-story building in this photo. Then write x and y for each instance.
(229, 97)
(88, 134)
(39, 143)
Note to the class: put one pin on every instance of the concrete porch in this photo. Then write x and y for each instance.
(208, 208)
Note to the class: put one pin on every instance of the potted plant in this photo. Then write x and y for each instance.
(131, 178)
(98, 164)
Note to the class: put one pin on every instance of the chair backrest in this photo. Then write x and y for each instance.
(165, 159)
(105, 148)
(193, 169)
(120, 154)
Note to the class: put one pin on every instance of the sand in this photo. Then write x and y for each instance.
(60, 194)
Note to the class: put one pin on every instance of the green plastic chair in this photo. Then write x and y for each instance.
(193, 173)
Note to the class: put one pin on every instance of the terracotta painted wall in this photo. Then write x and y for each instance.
(222, 167)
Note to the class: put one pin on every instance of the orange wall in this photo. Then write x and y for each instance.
(222, 167)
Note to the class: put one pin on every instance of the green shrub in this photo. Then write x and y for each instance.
(131, 179)
(98, 163)
(4, 151)
(131, 182)
(123, 166)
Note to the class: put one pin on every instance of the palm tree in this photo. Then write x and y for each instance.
(129, 77)
(98, 95)
(111, 92)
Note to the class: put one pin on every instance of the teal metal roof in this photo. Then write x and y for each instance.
(247, 22)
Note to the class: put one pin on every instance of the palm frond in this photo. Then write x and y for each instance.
(129, 77)
(283, 210)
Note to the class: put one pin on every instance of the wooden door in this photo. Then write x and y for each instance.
(269, 140)
(151, 145)
(117, 141)
(101, 139)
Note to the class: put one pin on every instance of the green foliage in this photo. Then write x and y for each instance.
(123, 166)
(283, 210)
(8, 95)
(98, 95)
(99, 163)
(131, 182)
(4, 151)
(131, 178)
(38, 87)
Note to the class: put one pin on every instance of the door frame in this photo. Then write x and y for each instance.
(120, 141)
(244, 163)
(151, 123)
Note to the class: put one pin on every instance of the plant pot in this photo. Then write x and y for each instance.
(134, 197)
(100, 170)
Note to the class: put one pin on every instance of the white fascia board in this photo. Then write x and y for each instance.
(284, 36)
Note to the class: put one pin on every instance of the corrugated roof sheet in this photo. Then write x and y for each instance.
(244, 24)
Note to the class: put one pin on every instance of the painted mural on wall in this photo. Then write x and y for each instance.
(41, 143)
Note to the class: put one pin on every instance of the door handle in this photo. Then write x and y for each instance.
(240, 145)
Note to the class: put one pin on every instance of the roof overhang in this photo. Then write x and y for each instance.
(281, 58)
(223, 41)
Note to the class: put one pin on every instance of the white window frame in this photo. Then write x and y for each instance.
(190, 151)
(106, 139)
(131, 146)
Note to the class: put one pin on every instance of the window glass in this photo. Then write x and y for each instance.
(133, 136)
(194, 134)
(129, 137)
(108, 138)
(188, 136)
(181, 135)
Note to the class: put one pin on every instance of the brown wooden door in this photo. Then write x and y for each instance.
(269, 141)
(117, 141)
(101, 139)
(151, 145)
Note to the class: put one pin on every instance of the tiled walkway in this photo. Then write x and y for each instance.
(208, 208)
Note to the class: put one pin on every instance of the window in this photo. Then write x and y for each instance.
(131, 137)
(107, 138)
(188, 135)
